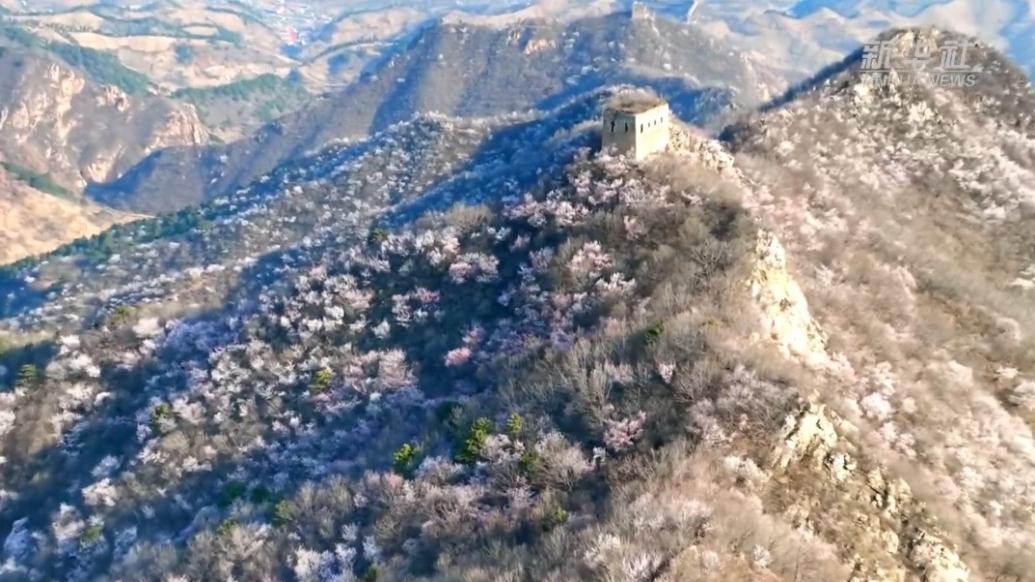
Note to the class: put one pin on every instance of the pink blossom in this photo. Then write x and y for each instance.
(426, 296)
(666, 370)
(615, 285)
(633, 229)
(482, 267)
(458, 357)
(520, 242)
(590, 260)
(474, 336)
(620, 435)
(459, 272)
(541, 259)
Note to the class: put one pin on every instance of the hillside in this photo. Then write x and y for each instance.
(426, 163)
(234, 110)
(465, 70)
(59, 125)
(516, 373)
(175, 45)
(909, 211)
(477, 350)
(35, 222)
(220, 56)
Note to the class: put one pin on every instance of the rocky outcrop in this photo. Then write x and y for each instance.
(785, 316)
(820, 480)
(810, 438)
(704, 152)
(935, 560)
(828, 486)
(56, 121)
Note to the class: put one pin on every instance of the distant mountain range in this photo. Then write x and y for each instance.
(796, 36)
(470, 70)
(331, 43)
(198, 97)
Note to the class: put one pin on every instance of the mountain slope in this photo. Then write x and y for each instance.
(35, 223)
(516, 373)
(911, 214)
(56, 122)
(174, 45)
(464, 70)
(798, 37)
(413, 166)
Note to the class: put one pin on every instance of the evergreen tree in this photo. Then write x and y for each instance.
(28, 377)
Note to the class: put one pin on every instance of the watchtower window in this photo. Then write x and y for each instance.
(626, 127)
(612, 126)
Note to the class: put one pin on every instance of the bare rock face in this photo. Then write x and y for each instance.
(784, 310)
(936, 561)
(808, 438)
(869, 511)
(56, 121)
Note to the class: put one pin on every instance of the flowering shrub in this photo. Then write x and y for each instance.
(622, 434)
(381, 397)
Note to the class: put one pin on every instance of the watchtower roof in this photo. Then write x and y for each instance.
(634, 104)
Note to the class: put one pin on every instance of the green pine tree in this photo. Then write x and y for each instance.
(474, 444)
(321, 382)
(28, 377)
(515, 426)
(405, 459)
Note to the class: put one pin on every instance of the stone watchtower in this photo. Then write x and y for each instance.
(636, 126)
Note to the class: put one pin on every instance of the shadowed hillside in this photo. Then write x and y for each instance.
(462, 70)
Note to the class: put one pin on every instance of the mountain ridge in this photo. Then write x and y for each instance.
(547, 62)
(906, 204)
